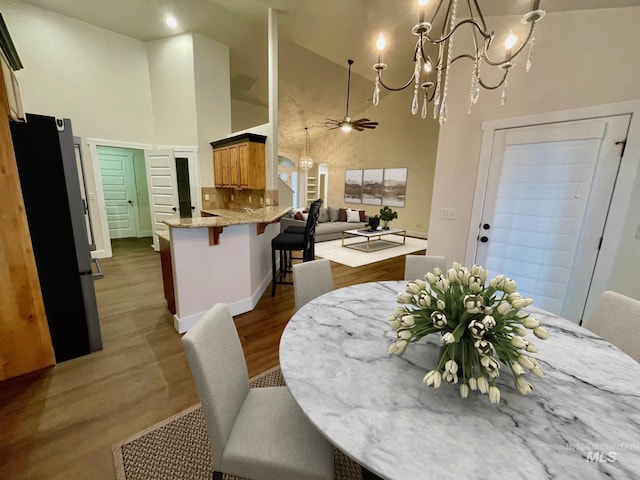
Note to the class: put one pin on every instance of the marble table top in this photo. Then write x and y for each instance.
(225, 217)
(582, 420)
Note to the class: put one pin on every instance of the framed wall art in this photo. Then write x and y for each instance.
(394, 187)
(353, 186)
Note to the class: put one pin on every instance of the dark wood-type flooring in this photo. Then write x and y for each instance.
(59, 423)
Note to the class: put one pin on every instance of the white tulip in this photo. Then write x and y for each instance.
(451, 366)
(494, 394)
(517, 369)
(464, 390)
(433, 379)
(398, 347)
(531, 323)
(437, 271)
(456, 266)
(531, 348)
(483, 347)
(408, 320)
(521, 331)
(413, 288)
(400, 311)
(472, 303)
(440, 305)
(404, 334)
(525, 362)
(477, 329)
(483, 384)
(504, 308)
(452, 275)
(424, 299)
(541, 333)
(442, 284)
(403, 297)
(475, 283)
(522, 302)
(439, 319)
(537, 371)
(489, 322)
(473, 383)
(523, 387)
(509, 286)
(450, 377)
(490, 366)
(448, 338)
(519, 342)
(513, 296)
(420, 283)
(395, 324)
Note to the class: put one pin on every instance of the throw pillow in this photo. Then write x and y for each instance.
(353, 216)
(334, 214)
(362, 216)
(305, 216)
(299, 216)
(324, 215)
(343, 215)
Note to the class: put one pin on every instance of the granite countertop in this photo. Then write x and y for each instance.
(226, 217)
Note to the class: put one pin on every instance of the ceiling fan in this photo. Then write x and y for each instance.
(346, 124)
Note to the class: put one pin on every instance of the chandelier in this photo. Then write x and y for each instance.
(306, 162)
(433, 77)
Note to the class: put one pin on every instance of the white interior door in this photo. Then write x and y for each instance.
(545, 208)
(118, 181)
(163, 189)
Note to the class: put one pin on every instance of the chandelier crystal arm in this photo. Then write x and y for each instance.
(497, 63)
(395, 89)
(446, 37)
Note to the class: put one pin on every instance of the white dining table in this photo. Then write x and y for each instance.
(582, 421)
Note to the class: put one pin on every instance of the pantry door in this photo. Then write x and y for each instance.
(163, 190)
(545, 207)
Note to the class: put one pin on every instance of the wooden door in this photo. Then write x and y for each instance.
(25, 342)
(118, 181)
(163, 190)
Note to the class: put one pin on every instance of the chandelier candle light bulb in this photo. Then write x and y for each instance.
(445, 16)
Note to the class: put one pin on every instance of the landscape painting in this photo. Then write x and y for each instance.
(372, 186)
(394, 187)
(353, 186)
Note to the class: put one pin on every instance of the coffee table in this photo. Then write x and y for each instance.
(368, 235)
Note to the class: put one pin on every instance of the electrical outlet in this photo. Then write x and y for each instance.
(206, 196)
(418, 225)
(268, 201)
(92, 196)
(261, 200)
(447, 214)
(232, 197)
(249, 198)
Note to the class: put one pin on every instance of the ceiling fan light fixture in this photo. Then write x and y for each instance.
(346, 124)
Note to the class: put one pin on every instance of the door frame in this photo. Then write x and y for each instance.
(93, 144)
(620, 200)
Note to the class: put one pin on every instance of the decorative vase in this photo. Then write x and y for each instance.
(374, 222)
(386, 225)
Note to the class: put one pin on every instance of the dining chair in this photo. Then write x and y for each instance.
(310, 280)
(416, 266)
(616, 318)
(257, 433)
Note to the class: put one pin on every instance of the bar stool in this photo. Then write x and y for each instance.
(286, 243)
(314, 209)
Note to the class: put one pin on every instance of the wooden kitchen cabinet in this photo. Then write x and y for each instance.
(239, 162)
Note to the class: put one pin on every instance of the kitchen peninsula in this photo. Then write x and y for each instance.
(223, 256)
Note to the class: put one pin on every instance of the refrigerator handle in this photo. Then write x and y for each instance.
(99, 274)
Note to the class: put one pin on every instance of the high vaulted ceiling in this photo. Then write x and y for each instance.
(331, 31)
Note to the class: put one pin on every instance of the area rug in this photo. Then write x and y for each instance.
(378, 250)
(178, 447)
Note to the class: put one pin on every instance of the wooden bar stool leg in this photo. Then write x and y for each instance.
(273, 271)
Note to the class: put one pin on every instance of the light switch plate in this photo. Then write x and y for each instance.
(448, 214)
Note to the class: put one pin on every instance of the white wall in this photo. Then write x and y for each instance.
(213, 99)
(246, 115)
(97, 78)
(171, 67)
(582, 58)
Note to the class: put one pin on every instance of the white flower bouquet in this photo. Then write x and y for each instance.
(480, 323)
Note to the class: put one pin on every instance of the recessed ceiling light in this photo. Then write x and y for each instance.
(171, 21)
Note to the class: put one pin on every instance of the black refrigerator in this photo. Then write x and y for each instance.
(47, 166)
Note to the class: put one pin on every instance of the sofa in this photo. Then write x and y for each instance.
(331, 222)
